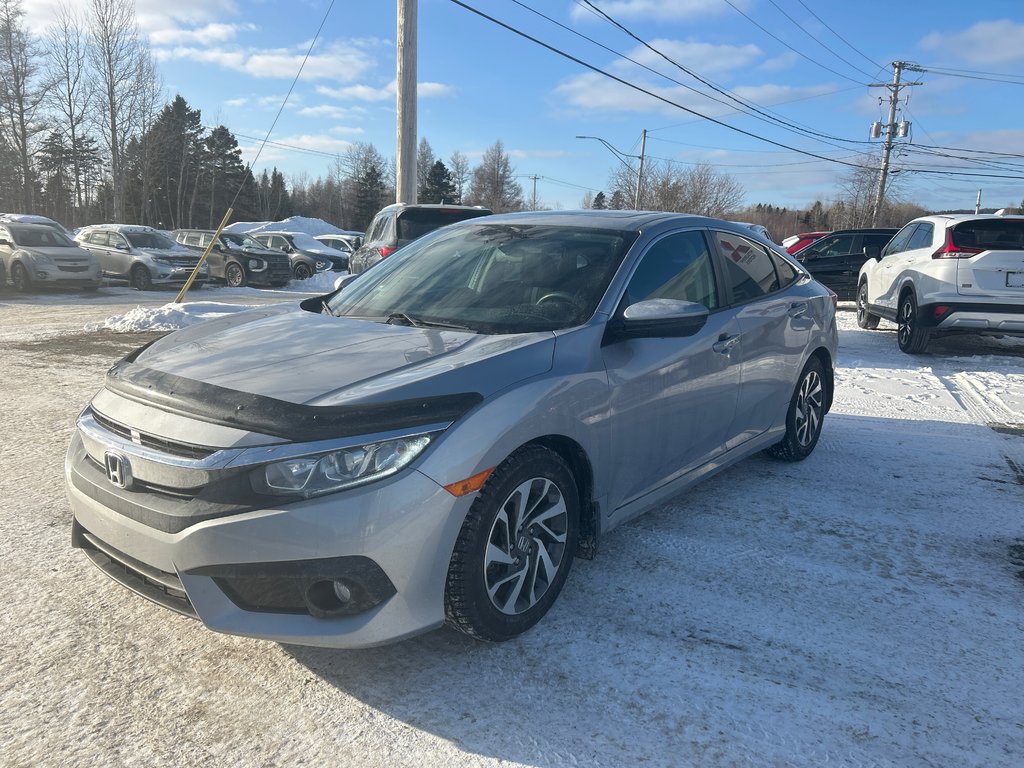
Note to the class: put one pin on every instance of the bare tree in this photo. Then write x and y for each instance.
(71, 95)
(494, 182)
(23, 89)
(128, 83)
(458, 164)
(424, 162)
(668, 186)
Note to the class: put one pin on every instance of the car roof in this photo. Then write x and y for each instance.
(605, 219)
(957, 218)
(29, 225)
(120, 228)
(864, 230)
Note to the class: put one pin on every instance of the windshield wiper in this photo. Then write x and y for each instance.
(401, 318)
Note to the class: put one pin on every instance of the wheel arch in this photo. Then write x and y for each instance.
(572, 453)
(825, 358)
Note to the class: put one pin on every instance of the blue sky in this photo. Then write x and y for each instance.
(235, 59)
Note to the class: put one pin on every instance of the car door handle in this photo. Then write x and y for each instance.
(725, 343)
(797, 309)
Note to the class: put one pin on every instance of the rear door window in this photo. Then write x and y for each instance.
(749, 269)
(922, 237)
(416, 222)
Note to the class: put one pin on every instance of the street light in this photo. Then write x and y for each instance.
(622, 156)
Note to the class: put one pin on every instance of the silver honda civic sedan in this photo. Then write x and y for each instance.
(436, 441)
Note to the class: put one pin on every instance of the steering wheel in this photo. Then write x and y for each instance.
(556, 296)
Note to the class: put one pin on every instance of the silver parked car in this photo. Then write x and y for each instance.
(142, 255)
(436, 440)
(34, 255)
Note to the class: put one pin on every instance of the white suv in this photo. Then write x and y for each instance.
(947, 274)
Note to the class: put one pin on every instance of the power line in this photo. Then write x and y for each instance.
(869, 75)
(794, 50)
(640, 89)
(995, 77)
(847, 42)
(747, 107)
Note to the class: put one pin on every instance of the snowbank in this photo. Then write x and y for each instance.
(169, 317)
(310, 226)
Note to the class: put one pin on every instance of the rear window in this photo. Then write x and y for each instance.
(416, 222)
(990, 234)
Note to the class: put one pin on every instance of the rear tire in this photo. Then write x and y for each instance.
(910, 335)
(140, 279)
(805, 416)
(515, 548)
(865, 319)
(19, 276)
(302, 271)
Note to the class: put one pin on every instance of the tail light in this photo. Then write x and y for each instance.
(835, 298)
(386, 250)
(950, 251)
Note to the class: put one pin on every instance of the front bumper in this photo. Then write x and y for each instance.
(48, 274)
(403, 528)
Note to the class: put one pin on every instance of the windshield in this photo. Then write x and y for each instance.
(491, 278)
(40, 238)
(150, 240)
(240, 241)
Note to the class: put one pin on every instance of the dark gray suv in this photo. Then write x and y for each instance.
(836, 258)
(401, 223)
(237, 259)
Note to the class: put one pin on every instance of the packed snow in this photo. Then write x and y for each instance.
(863, 607)
(310, 226)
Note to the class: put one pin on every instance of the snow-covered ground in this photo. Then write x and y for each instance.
(863, 607)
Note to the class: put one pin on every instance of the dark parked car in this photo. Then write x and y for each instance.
(835, 259)
(346, 242)
(307, 255)
(401, 223)
(237, 259)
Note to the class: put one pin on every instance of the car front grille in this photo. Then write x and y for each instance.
(161, 587)
(72, 268)
(173, 447)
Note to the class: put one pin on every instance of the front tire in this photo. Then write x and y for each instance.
(910, 335)
(19, 276)
(234, 275)
(515, 548)
(805, 416)
(140, 279)
(865, 319)
(302, 271)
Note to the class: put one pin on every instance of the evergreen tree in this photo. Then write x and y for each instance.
(439, 187)
(599, 202)
(618, 201)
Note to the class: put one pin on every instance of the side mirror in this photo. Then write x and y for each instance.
(5, 241)
(872, 251)
(121, 246)
(658, 318)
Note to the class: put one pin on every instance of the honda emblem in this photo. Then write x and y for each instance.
(119, 471)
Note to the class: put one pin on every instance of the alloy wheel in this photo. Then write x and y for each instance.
(810, 407)
(526, 545)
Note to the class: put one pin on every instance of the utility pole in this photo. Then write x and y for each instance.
(405, 138)
(977, 202)
(533, 199)
(640, 173)
(890, 129)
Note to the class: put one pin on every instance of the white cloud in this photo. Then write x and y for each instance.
(338, 62)
(780, 63)
(326, 110)
(709, 59)
(239, 102)
(525, 154)
(386, 93)
(206, 35)
(987, 43)
(662, 10)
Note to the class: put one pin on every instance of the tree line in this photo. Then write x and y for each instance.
(85, 137)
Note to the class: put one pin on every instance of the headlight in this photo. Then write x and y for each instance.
(322, 265)
(41, 259)
(327, 472)
(161, 260)
(256, 265)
